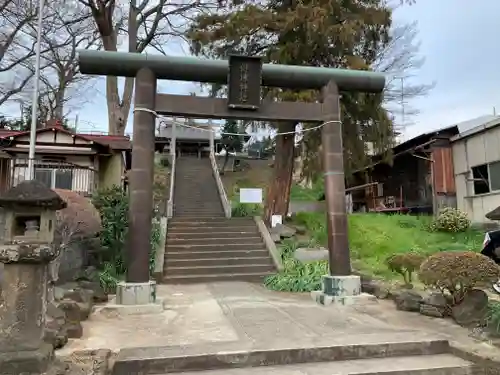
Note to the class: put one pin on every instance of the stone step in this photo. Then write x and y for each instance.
(195, 279)
(232, 355)
(233, 240)
(212, 247)
(220, 269)
(205, 200)
(187, 186)
(191, 213)
(195, 188)
(441, 364)
(216, 261)
(203, 232)
(200, 215)
(209, 227)
(216, 254)
(235, 221)
(198, 203)
(198, 208)
(186, 226)
(196, 176)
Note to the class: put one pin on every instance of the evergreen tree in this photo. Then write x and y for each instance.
(229, 141)
(328, 33)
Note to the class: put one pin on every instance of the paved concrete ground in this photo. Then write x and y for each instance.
(240, 313)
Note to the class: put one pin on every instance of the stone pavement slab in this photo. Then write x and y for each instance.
(191, 316)
(241, 316)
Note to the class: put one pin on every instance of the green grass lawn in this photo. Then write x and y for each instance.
(372, 238)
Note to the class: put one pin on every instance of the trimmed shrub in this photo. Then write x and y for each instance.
(454, 273)
(451, 220)
(405, 264)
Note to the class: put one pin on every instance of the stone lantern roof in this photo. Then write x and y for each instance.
(32, 193)
(494, 215)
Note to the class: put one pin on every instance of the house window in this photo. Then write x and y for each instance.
(55, 178)
(494, 172)
(486, 178)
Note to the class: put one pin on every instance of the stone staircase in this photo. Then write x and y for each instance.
(202, 244)
(195, 190)
(384, 355)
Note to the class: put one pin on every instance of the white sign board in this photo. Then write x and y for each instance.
(250, 195)
(275, 220)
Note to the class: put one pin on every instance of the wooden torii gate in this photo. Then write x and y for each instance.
(245, 77)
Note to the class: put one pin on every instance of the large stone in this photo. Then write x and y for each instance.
(87, 362)
(54, 312)
(306, 254)
(98, 293)
(74, 315)
(472, 310)
(55, 333)
(408, 300)
(283, 231)
(434, 305)
(26, 361)
(300, 229)
(376, 288)
(79, 295)
(432, 311)
(88, 274)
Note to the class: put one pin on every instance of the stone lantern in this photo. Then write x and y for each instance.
(29, 218)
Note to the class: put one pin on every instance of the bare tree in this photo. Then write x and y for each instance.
(61, 80)
(16, 46)
(18, 40)
(145, 24)
(400, 60)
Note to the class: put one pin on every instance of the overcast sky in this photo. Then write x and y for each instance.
(459, 41)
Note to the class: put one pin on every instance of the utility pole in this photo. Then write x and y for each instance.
(34, 108)
(76, 124)
(403, 120)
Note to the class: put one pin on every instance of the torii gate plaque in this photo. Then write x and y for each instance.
(245, 76)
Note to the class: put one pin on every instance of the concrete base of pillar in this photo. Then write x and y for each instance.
(136, 293)
(26, 362)
(341, 290)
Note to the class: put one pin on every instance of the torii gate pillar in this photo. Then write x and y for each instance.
(138, 289)
(339, 286)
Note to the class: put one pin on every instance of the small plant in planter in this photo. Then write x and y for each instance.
(405, 264)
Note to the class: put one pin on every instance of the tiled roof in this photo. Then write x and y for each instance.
(115, 142)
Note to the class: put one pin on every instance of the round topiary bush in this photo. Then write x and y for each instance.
(451, 220)
(405, 264)
(454, 273)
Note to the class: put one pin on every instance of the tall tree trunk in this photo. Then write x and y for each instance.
(278, 194)
(118, 107)
(59, 97)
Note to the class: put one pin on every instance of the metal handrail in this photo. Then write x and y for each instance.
(220, 186)
(170, 203)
